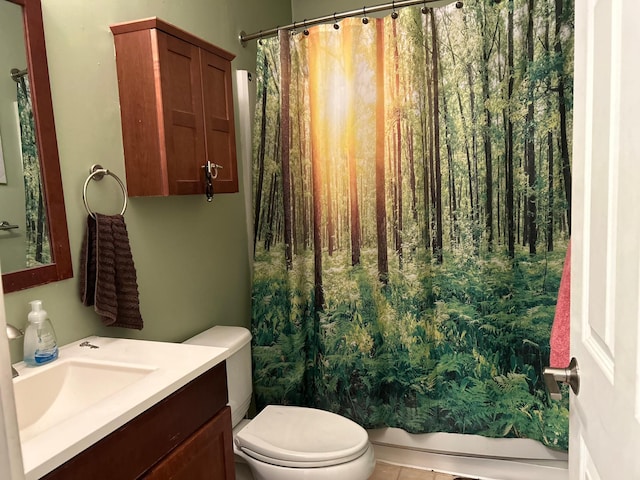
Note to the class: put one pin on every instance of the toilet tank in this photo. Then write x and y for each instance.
(238, 341)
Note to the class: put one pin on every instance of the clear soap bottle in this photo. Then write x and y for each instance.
(40, 345)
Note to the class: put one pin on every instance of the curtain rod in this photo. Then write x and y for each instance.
(244, 38)
(16, 74)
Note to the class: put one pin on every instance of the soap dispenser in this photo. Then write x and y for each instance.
(40, 345)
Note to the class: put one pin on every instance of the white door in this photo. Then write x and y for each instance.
(605, 283)
(10, 454)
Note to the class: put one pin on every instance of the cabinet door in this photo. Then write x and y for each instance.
(207, 454)
(184, 136)
(219, 122)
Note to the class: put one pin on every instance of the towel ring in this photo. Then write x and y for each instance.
(97, 173)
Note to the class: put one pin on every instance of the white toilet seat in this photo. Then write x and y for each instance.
(359, 469)
(302, 437)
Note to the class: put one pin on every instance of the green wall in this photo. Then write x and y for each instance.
(190, 255)
(302, 9)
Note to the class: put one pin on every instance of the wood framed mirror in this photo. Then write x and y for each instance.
(60, 266)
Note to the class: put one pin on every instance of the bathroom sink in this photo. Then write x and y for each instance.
(62, 389)
(96, 386)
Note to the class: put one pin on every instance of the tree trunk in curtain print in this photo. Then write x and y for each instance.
(429, 191)
(412, 173)
(561, 15)
(464, 128)
(474, 198)
(488, 43)
(511, 234)
(440, 113)
(261, 153)
(530, 155)
(453, 201)
(397, 151)
(550, 146)
(380, 183)
(437, 176)
(350, 146)
(271, 213)
(285, 144)
(318, 140)
(474, 187)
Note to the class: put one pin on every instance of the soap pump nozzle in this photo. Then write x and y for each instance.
(37, 314)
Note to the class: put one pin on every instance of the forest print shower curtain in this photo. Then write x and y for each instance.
(412, 210)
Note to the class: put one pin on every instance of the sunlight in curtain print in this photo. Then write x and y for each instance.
(345, 92)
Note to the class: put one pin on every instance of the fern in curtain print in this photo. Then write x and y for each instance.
(412, 185)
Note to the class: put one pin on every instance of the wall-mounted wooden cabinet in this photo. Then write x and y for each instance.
(176, 107)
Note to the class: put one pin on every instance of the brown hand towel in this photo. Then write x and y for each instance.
(108, 275)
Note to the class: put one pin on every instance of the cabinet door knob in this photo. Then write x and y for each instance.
(210, 173)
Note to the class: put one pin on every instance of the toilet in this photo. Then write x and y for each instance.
(286, 442)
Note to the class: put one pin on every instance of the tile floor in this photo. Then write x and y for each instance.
(386, 471)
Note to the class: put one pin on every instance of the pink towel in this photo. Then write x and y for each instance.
(560, 331)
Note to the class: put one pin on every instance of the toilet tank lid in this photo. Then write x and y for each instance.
(232, 338)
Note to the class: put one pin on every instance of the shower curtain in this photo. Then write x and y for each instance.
(411, 213)
(37, 234)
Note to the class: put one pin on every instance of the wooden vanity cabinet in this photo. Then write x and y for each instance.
(202, 456)
(176, 107)
(186, 436)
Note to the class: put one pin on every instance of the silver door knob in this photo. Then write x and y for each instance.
(567, 375)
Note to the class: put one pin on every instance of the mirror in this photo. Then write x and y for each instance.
(29, 14)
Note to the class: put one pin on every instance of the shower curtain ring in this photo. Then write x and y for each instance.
(424, 9)
(293, 30)
(304, 26)
(394, 13)
(335, 22)
(365, 20)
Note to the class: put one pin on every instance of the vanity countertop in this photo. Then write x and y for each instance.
(169, 367)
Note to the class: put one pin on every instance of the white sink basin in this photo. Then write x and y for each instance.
(64, 388)
(96, 386)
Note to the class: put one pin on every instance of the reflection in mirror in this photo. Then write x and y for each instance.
(36, 252)
(13, 53)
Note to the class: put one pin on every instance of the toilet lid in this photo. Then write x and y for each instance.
(302, 437)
